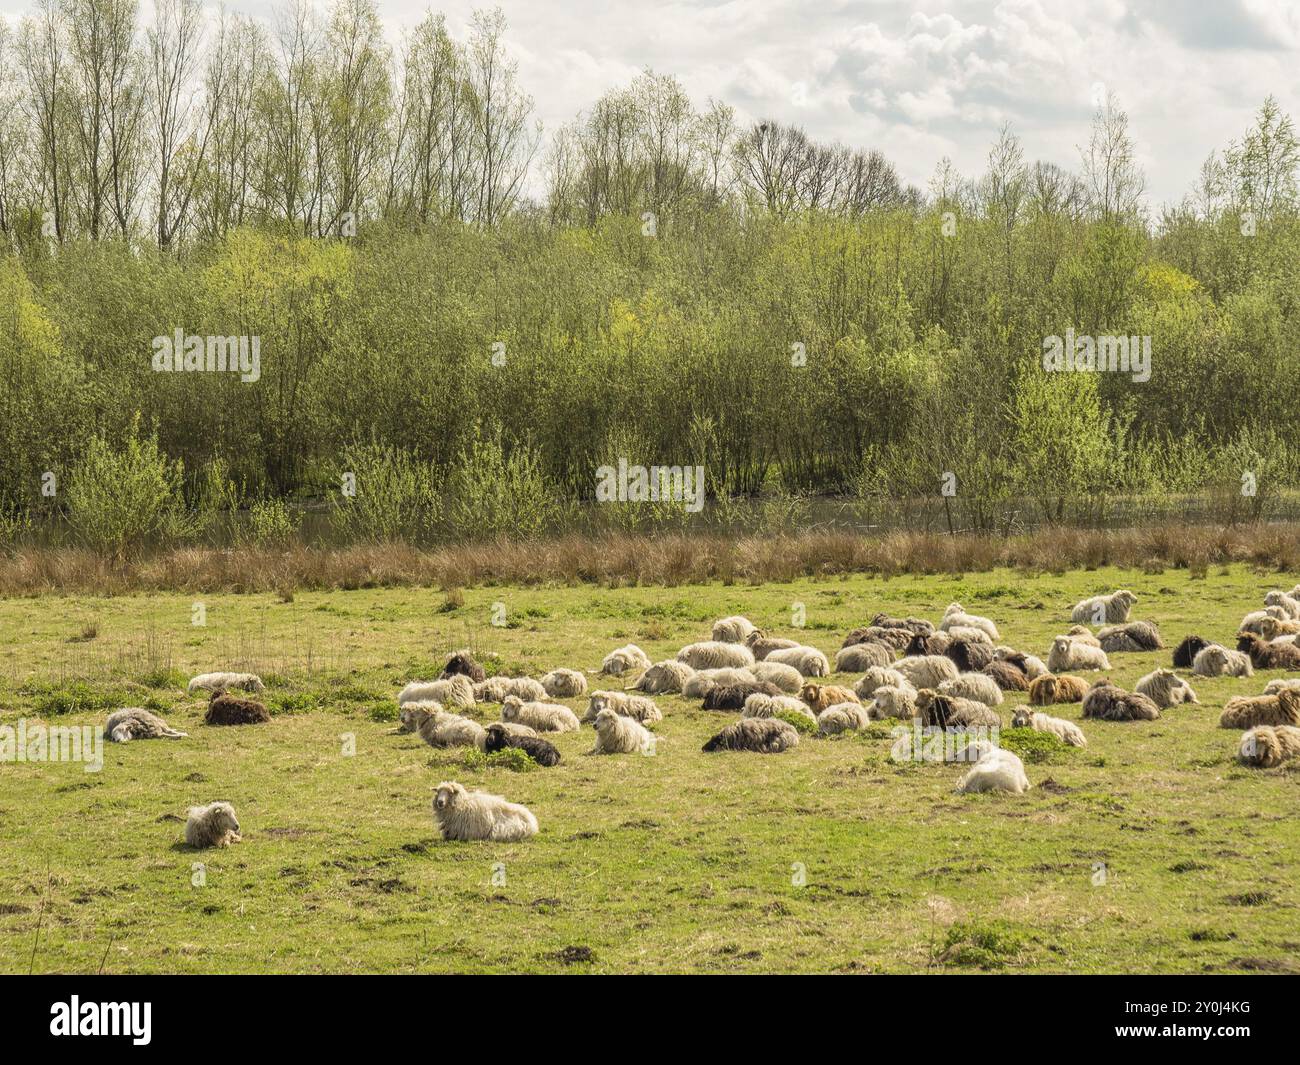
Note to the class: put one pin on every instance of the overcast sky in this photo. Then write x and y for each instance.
(918, 80)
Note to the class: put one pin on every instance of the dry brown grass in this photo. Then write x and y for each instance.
(640, 559)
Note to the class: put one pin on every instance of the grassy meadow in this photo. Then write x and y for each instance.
(830, 858)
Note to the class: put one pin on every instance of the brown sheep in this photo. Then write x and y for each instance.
(932, 643)
(1108, 702)
(1054, 688)
(1269, 746)
(948, 711)
(1007, 676)
(896, 638)
(462, 662)
(971, 657)
(227, 709)
(1271, 628)
(1264, 655)
(820, 696)
(1249, 711)
(733, 696)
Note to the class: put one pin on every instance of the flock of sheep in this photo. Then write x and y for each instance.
(950, 677)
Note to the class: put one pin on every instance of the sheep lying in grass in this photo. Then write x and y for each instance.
(862, 656)
(460, 814)
(1249, 711)
(787, 678)
(462, 664)
(227, 709)
(714, 655)
(1254, 621)
(956, 617)
(768, 735)
(935, 710)
(697, 687)
(564, 684)
(1111, 609)
(1065, 731)
(809, 661)
(1215, 660)
(1185, 653)
(761, 705)
(616, 734)
(1264, 655)
(891, 701)
(214, 825)
(1166, 688)
(1284, 601)
(212, 682)
(875, 678)
(456, 690)
(136, 723)
(842, 717)
(820, 696)
(1083, 634)
(884, 621)
(1070, 653)
(496, 689)
(977, 686)
(1006, 676)
(895, 638)
(413, 715)
(734, 629)
(761, 645)
(445, 729)
(1052, 688)
(544, 717)
(996, 770)
(970, 635)
(627, 659)
(1135, 636)
(501, 736)
(1030, 666)
(1281, 684)
(733, 696)
(1108, 702)
(663, 678)
(1269, 745)
(927, 671)
(970, 656)
(1273, 628)
(637, 707)
(932, 643)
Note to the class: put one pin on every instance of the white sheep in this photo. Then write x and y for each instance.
(616, 734)
(461, 814)
(1112, 609)
(1070, 654)
(697, 687)
(564, 684)
(711, 654)
(1254, 621)
(1215, 660)
(136, 723)
(214, 825)
(891, 701)
(1286, 602)
(1166, 688)
(451, 691)
(1065, 731)
(445, 729)
(760, 705)
(627, 659)
(978, 686)
(876, 677)
(996, 770)
(1275, 686)
(544, 717)
(1033, 667)
(638, 707)
(663, 678)
(212, 682)
(495, 689)
(969, 634)
(926, 671)
(843, 717)
(734, 629)
(809, 661)
(787, 678)
(956, 615)
(858, 657)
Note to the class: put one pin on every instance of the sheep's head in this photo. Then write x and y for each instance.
(954, 608)
(1061, 644)
(510, 708)
(810, 693)
(1048, 686)
(605, 719)
(1248, 641)
(1270, 627)
(449, 793)
(1289, 700)
(1022, 718)
(222, 817)
(1126, 597)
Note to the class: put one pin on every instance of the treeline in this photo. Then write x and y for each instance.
(786, 314)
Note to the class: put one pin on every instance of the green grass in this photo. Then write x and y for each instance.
(1148, 851)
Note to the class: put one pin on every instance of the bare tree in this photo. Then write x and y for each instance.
(504, 140)
(1115, 181)
(180, 136)
(41, 49)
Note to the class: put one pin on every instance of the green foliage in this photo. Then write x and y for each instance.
(271, 523)
(802, 723)
(495, 493)
(509, 758)
(982, 946)
(78, 698)
(393, 496)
